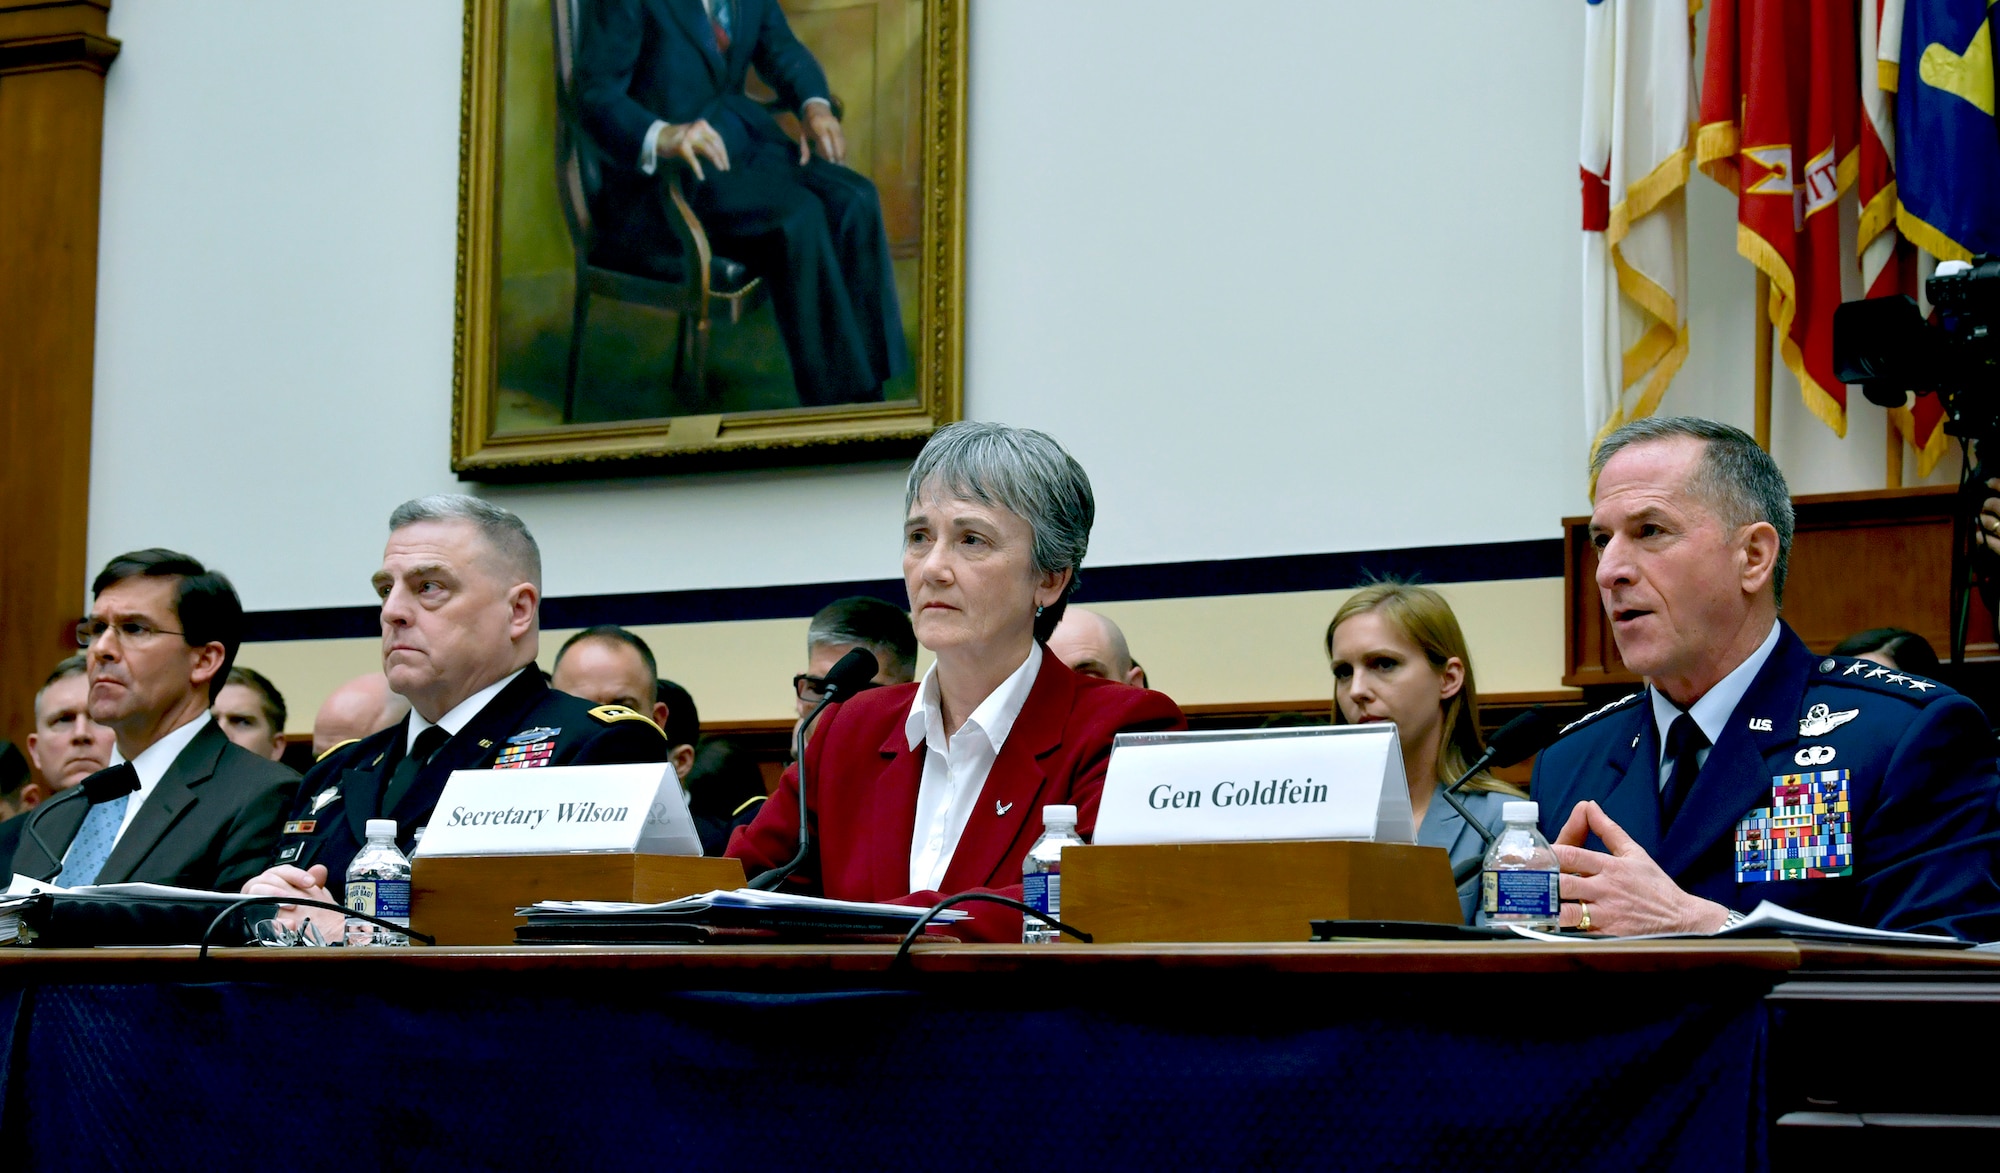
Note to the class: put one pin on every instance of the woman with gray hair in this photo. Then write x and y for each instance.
(933, 788)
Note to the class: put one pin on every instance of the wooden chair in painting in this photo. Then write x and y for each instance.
(707, 283)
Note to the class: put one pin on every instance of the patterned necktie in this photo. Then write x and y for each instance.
(95, 839)
(719, 20)
(1685, 741)
(428, 743)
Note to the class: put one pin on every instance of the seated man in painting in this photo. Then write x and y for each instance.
(659, 80)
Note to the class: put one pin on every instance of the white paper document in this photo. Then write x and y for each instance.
(1772, 920)
(739, 898)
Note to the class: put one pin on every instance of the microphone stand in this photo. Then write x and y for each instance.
(768, 880)
(82, 789)
(1465, 870)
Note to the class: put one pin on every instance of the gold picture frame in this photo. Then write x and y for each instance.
(491, 445)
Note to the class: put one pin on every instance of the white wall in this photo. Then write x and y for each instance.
(1291, 278)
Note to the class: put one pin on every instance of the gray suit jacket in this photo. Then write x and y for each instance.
(210, 823)
(1443, 828)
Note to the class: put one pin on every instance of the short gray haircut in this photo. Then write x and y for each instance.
(1025, 472)
(1736, 478)
(505, 532)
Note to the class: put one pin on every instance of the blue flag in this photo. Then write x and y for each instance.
(1947, 141)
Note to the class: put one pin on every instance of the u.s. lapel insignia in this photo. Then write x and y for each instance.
(1814, 755)
(1760, 724)
(324, 797)
(1820, 720)
(538, 733)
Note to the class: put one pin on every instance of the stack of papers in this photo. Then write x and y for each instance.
(698, 918)
(1770, 920)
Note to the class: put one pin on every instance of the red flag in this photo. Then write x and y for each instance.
(1779, 114)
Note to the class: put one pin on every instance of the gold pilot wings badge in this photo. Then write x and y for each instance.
(1820, 720)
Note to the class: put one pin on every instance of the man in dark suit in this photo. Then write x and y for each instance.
(659, 80)
(460, 586)
(1751, 769)
(162, 633)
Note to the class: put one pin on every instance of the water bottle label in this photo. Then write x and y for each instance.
(1042, 891)
(1521, 893)
(392, 900)
(388, 899)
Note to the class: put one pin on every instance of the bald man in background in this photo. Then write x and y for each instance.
(1092, 645)
(362, 706)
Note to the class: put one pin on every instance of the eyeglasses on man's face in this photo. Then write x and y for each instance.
(89, 631)
(812, 689)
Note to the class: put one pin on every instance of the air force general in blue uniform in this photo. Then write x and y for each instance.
(1835, 787)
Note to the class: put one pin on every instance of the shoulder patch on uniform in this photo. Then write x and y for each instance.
(332, 749)
(611, 714)
(1613, 707)
(1875, 677)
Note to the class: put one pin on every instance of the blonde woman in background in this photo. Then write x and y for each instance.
(1398, 655)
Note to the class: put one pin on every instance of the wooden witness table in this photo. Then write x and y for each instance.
(1684, 1054)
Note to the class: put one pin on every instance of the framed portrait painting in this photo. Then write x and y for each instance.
(707, 233)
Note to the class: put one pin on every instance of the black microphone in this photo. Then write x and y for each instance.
(1516, 741)
(102, 786)
(849, 674)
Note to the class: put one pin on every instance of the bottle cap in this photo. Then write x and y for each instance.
(382, 829)
(1520, 812)
(1059, 816)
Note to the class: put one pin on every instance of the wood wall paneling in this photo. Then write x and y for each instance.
(53, 56)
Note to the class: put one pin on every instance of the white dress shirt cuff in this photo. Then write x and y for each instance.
(649, 156)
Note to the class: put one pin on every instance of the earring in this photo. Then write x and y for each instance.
(1038, 611)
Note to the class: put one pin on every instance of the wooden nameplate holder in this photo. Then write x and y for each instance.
(470, 899)
(1250, 891)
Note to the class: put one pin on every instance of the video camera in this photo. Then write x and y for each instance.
(1884, 345)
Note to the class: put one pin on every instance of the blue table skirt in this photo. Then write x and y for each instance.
(1582, 1071)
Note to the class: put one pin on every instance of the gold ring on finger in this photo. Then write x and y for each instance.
(1583, 921)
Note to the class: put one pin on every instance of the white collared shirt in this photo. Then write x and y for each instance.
(1711, 712)
(955, 770)
(461, 713)
(151, 765)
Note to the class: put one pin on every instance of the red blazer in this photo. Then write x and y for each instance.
(864, 778)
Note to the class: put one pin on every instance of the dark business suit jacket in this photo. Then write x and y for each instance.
(864, 776)
(208, 824)
(813, 232)
(1916, 760)
(344, 789)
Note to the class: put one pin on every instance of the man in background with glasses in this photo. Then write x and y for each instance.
(198, 811)
(856, 622)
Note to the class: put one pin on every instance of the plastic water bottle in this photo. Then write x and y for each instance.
(1521, 883)
(1041, 873)
(378, 883)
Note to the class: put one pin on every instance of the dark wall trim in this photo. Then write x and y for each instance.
(1484, 562)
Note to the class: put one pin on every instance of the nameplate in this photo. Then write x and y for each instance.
(636, 808)
(1323, 782)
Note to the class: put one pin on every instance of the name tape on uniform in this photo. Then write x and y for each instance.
(638, 808)
(1332, 782)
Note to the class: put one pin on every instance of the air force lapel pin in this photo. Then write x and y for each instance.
(1000, 808)
(538, 733)
(1820, 721)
